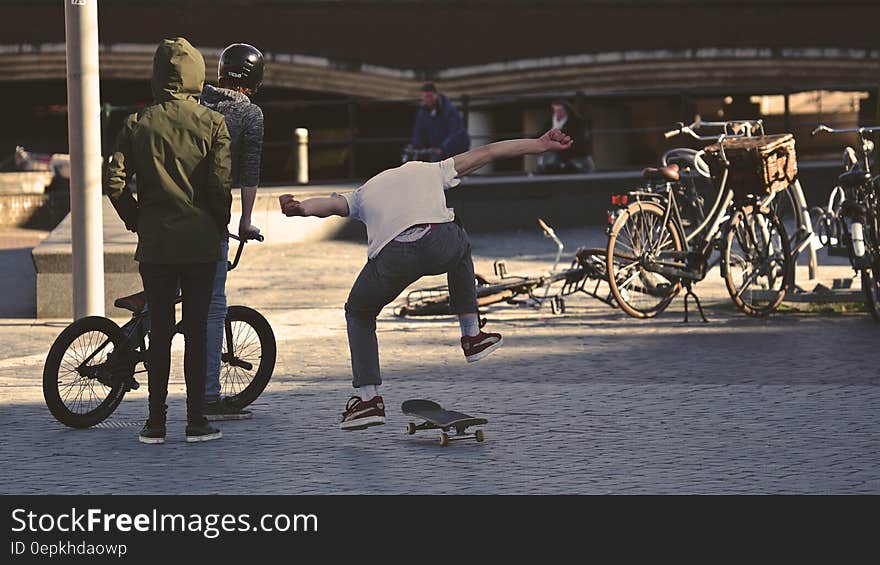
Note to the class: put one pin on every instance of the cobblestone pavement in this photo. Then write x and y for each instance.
(588, 402)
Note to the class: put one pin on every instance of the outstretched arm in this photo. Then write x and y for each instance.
(470, 161)
(320, 207)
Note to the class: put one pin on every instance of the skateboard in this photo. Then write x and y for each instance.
(435, 417)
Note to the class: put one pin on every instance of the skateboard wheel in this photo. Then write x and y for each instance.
(410, 428)
(444, 440)
(479, 436)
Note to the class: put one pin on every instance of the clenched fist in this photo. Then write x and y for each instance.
(290, 206)
(555, 140)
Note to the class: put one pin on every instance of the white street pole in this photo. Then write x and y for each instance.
(84, 136)
(302, 143)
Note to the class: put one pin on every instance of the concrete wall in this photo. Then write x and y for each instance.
(24, 201)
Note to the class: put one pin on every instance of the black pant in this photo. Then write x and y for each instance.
(161, 282)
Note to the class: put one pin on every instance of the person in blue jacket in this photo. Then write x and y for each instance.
(438, 127)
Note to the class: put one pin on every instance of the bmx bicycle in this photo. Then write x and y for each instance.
(587, 267)
(92, 363)
(850, 227)
(653, 250)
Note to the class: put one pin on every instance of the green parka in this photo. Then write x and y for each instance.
(179, 152)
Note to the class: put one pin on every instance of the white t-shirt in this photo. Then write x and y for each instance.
(399, 198)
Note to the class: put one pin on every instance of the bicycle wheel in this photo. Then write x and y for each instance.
(636, 232)
(756, 261)
(248, 357)
(85, 372)
(786, 209)
(871, 285)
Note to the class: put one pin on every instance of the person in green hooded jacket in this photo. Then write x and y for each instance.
(179, 152)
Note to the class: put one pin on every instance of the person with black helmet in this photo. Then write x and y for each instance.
(239, 74)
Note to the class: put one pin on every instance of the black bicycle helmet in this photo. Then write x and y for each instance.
(241, 65)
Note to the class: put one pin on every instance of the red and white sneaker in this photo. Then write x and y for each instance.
(478, 346)
(360, 414)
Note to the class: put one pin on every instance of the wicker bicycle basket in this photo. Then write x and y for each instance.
(758, 165)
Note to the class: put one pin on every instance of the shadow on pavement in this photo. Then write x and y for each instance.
(18, 284)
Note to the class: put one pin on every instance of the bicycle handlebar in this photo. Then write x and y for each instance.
(673, 132)
(257, 237)
(547, 229)
(858, 130)
(731, 128)
(230, 265)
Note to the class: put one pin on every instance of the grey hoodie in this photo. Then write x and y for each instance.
(245, 123)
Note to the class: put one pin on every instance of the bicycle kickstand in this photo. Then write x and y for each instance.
(690, 292)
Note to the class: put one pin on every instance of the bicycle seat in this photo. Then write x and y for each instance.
(669, 173)
(853, 178)
(134, 303)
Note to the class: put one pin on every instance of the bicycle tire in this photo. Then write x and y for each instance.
(52, 380)
(739, 234)
(871, 286)
(261, 354)
(617, 274)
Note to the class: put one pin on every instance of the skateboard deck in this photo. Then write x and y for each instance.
(435, 417)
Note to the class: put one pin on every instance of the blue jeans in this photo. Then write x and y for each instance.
(216, 319)
(445, 249)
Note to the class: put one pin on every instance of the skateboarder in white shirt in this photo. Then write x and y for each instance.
(411, 233)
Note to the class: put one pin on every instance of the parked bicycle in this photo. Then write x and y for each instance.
(586, 275)
(660, 240)
(92, 363)
(789, 205)
(851, 224)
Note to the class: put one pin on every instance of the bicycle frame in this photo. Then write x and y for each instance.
(864, 192)
(585, 266)
(138, 327)
(698, 244)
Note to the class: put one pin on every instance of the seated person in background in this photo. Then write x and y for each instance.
(439, 128)
(578, 158)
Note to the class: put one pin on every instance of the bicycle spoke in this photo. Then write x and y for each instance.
(629, 235)
(747, 283)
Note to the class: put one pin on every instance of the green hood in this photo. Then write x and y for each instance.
(178, 71)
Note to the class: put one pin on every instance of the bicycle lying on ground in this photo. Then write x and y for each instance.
(850, 226)
(660, 240)
(587, 267)
(91, 364)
